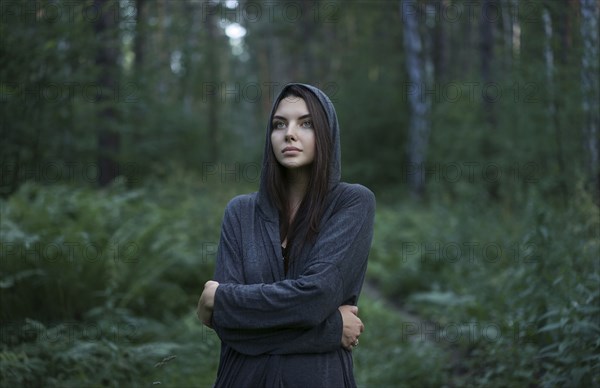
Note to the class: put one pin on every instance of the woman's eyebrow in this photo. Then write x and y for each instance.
(299, 118)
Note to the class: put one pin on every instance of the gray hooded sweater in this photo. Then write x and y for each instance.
(285, 330)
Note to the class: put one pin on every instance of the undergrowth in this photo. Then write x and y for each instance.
(99, 287)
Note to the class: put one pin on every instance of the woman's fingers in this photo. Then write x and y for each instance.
(206, 302)
(352, 326)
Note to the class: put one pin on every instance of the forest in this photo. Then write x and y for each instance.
(128, 125)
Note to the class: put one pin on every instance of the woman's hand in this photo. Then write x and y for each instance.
(207, 302)
(353, 326)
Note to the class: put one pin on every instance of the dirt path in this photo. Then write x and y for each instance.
(419, 329)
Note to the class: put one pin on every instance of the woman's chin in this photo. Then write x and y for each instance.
(292, 164)
(296, 166)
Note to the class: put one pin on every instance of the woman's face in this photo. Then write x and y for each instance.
(292, 134)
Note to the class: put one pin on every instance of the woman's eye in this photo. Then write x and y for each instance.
(307, 124)
(278, 124)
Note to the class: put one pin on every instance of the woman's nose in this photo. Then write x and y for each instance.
(291, 132)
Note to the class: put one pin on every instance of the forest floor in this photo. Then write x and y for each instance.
(416, 329)
(371, 290)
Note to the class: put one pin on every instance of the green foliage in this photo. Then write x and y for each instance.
(105, 281)
(68, 248)
(526, 304)
(509, 295)
(111, 350)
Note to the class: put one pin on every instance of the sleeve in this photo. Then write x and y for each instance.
(325, 337)
(229, 270)
(337, 262)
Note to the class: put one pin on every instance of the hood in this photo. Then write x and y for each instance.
(266, 206)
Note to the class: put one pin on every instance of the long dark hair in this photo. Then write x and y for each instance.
(305, 225)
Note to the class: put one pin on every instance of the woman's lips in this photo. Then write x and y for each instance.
(290, 149)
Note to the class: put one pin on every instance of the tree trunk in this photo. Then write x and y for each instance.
(161, 50)
(140, 36)
(516, 32)
(552, 106)
(565, 28)
(307, 60)
(106, 30)
(507, 27)
(214, 79)
(189, 82)
(419, 129)
(486, 29)
(440, 44)
(590, 88)
(429, 44)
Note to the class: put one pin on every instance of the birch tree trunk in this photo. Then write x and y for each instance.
(419, 127)
(516, 32)
(590, 87)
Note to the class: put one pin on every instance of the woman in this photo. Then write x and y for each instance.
(292, 258)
